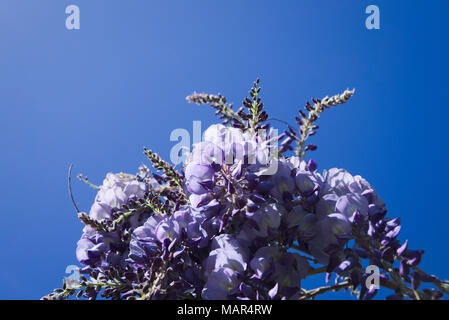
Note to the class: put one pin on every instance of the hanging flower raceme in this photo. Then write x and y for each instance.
(244, 219)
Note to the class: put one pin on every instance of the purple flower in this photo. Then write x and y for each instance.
(205, 172)
(338, 181)
(263, 260)
(100, 211)
(350, 203)
(167, 229)
(206, 154)
(220, 284)
(307, 182)
(283, 182)
(235, 223)
(118, 189)
(228, 257)
(144, 244)
(327, 232)
(264, 222)
(96, 249)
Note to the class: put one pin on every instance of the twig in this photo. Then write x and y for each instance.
(315, 292)
(69, 180)
(86, 181)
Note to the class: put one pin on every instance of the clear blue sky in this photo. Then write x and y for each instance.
(96, 96)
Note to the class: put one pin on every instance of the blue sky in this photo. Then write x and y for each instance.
(96, 96)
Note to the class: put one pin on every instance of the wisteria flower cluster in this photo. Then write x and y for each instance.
(247, 217)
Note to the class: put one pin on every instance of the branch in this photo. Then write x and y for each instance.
(69, 182)
(311, 294)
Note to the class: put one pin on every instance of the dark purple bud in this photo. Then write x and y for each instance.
(394, 223)
(404, 269)
(414, 256)
(381, 225)
(393, 233)
(311, 147)
(413, 261)
(157, 177)
(311, 165)
(286, 142)
(402, 248)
